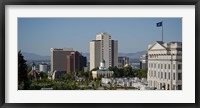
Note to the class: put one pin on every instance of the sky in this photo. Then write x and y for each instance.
(38, 35)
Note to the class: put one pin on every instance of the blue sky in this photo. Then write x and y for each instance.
(38, 35)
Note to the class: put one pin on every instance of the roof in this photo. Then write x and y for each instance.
(105, 33)
(95, 40)
(157, 42)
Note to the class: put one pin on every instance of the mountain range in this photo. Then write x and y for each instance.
(32, 56)
(135, 55)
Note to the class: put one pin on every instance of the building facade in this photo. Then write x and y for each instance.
(58, 74)
(33, 74)
(75, 62)
(123, 61)
(43, 67)
(103, 48)
(144, 62)
(102, 72)
(165, 65)
(58, 58)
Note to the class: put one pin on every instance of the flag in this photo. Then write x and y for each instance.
(159, 24)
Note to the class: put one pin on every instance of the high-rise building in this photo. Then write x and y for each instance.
(123, 61)
(103, 48)
(58, 58)
(165, 65)
(144, 62)
(75, 62)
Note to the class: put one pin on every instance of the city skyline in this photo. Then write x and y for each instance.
(38, 35)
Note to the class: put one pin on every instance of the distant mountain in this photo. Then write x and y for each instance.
(135, 55)
(32, 56)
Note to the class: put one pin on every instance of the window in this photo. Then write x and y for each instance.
(161, 74)
(154, 73)
(158, 74)
(149, 74)
(165, 66)
(154, 65)
(179, 66)
(168, 66)
(179, 76)
(169, 76)
(173, 66)
(174, 76)
(173, 87)
(158, 66)
(161, 66)
(165, 75)
(179, 87)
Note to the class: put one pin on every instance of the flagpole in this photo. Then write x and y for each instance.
(162, 31)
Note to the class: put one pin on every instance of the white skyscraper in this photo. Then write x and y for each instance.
(103, 48)
(165, 65)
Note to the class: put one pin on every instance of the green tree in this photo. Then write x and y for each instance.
(121, 72)
(116, 72)
(44, 75)
(127, 70)
(81, 73)
(110, 68)
(22, 72)
(90, 78)
(96, 68)
(70, 76)
(141, 73)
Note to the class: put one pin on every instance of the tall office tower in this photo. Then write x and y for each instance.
(75, 62)
(83, 62)
(165, 65)
(103, 48)
(58, 58)
(144, 62)
(123, 61)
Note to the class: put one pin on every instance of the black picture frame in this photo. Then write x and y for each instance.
(3, 3)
